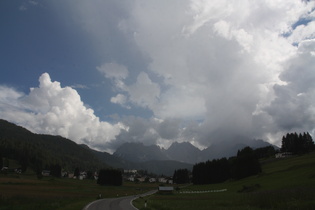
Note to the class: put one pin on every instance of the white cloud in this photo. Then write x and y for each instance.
(9, 95)
(144, 92)
(221, 68)
(120, 99)
(116, 72)
(79, 86)
(56, 110)
(292, 109)
(186, 102)
(33, 2)
(113, 71)
(22, 8)
(216, 61)
(25, 6)
(219, 60)
(303, 32)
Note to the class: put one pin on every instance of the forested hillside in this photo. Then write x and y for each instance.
(41, 151)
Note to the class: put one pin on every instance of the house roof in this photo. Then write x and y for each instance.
(163, 188)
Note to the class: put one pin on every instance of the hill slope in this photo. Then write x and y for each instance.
(38, 150)
(287, 183)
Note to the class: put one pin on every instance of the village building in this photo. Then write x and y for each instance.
(141, 179)
(132, 171)
(166, 189)
(45, 172)
(283, 154)
(162, 180)
(152, 180)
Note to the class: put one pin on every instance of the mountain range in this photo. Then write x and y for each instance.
(19, 143)
(184, 152)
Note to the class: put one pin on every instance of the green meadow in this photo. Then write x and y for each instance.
(20, 192)
(284, 184)
(287, 183)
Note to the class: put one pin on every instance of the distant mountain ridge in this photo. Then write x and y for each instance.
(138, 152)
(56, 149)
(37, 151)
(185, 152)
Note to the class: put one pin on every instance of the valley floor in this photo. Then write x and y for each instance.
(284, 184)
(19, 192)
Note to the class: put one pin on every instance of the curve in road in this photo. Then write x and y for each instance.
(121, 203)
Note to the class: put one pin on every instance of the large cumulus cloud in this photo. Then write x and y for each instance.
(52, 109)
(206, 70)
(222, 63)
(293, 108)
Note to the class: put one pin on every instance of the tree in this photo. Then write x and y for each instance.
(1, 161)
(309, 143)
(246, 164)
(6, 162)
(109, 177)
(76, 172)
(297, 143)
(199, 173)
(90, 175)
(55, 170)
(215, 171)
(265, 152)
(181, 176)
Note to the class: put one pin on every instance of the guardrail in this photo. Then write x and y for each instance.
(203, 191)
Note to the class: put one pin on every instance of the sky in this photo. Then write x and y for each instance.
(105, 72)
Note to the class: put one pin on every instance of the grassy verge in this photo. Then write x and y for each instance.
(284, 184)
(27, 192)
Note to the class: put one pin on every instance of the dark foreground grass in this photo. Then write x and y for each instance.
(19, 192)
(284, 184)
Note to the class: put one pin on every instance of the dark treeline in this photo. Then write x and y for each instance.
(109, 177)
(43, 152)
(181, 176)
(215, 171)
(55, 170)
(245, 164)
(297, 143)
(265, 152)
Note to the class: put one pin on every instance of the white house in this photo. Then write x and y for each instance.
(165, 189)
(132, 171)
(151, 180)
(45, 173)
(283, 154)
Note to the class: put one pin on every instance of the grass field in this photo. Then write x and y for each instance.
(25, 191)
(284, 184)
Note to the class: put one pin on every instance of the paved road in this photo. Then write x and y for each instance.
(122, 203)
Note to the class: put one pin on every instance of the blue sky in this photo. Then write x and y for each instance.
(39, 38)
(107, 72)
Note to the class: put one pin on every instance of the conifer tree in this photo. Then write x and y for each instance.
(297, 143)
(109, 177)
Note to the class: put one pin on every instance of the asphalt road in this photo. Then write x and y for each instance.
(121, 203)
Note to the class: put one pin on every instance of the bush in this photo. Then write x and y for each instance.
(109, 177)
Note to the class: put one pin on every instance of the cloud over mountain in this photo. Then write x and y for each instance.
(205, 71)
(52, 109)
